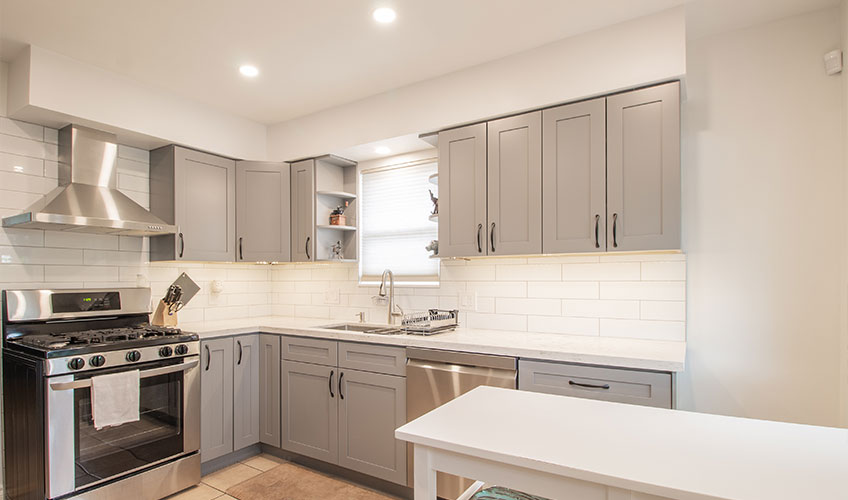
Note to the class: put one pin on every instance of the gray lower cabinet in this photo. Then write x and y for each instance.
(462, 191)
(196, 192)
(371, 407)
(514, 180)
(341, 403)
(269, 389)
(216, 398)
(310, 410)
(574, 168)
(643, 169)
(246, 393)
(303, 211)
(263, 212)
(620, 385)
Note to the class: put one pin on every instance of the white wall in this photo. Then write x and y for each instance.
(53, 89)
(764, 222)
(633, 53)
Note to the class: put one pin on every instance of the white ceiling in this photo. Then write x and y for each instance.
(312, 54)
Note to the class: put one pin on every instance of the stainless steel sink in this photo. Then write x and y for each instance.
(365, 328)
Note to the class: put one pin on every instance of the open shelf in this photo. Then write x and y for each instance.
(337, 194)
(339, 228)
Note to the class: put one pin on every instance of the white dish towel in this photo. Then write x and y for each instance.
(114, 398)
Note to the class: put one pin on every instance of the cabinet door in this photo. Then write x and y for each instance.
(205, 206)
(515, 185)
(269, 389)
(371, 407)
(574, 169)
(303, 211)
(216, 398)
(643, 169)
(245, 391)
(263, 208)
(462, 191)
(310, 410)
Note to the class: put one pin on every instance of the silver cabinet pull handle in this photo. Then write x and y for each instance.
(331, 384)
(307, 247)
(341, 376)
(208, 357)
(479, 242)
(614, 230)
(182, 245)
(241, 249)
(590, 386)
(597, 225)
(153, 372)
(240, 350)
(492, 236)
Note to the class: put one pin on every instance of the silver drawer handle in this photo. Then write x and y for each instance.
(153, 372)
(590, 386)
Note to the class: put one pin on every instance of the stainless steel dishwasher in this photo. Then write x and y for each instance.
(435, 377)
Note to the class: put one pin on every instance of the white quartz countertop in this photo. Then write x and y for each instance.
(627, 353)
(669, 453)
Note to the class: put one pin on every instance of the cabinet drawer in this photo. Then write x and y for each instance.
(317, 351)
(372, 358)
(608, 384)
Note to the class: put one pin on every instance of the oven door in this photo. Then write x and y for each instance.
(79, 456)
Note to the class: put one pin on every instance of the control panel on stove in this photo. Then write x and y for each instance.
(85, 301)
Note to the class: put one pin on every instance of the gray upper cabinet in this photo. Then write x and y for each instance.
(216, 398)
(643, 169)
(245, 391)
(263, 212)
(303, 211)
(371, 407)
(462, 193)
(574, 171)
(269, 389)
(310, 410)
(514, 185)
(196, 192)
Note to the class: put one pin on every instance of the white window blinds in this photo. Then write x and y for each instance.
(395, 225)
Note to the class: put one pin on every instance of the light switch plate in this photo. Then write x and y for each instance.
(331, 296)
(468, 301)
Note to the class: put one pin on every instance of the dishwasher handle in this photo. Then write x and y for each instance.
(503, 374)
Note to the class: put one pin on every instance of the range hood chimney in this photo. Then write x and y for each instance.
(87, 199)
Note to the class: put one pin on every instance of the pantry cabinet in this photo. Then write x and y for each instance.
(216, 398)
(643, 169)
(574, 170)
(514, 185)
(196, 192)
(263, 212)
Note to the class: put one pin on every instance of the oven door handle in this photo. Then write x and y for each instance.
(153, 372)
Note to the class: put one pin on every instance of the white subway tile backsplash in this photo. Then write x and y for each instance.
(39, 255)
(663, 271)
(51, 135)
(514, 322)
(81, 273)
(17, 200)
(113, 257)
(663, 310)
(497, 289)
(21, 129)
(469, 273)
(624, 271)
(21, 164)
(69, 239)
(24, 183)
(621, 309)
(134, 154)
(529, 272)
(644, 290)
(28, 147)
(21, 237)
(643, 329)
(563, 324)
(540, 307)
(24, 274)
(564, 290)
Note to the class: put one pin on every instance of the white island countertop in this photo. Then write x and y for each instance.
(669, 453)
(626, 353)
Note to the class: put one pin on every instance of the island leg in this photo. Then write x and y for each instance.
(425, 474)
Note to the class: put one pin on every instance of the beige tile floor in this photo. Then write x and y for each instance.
(215, 485)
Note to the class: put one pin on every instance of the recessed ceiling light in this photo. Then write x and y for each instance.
(382, 150)
(249, 70)
(384, 15)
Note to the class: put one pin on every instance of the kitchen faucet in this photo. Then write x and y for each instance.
(382, 293)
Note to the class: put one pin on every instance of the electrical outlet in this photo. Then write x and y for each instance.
(331, 296)
(468, 301)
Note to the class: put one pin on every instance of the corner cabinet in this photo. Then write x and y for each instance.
(303, 211)
(643, 169)
(196, 192)
(263, 212)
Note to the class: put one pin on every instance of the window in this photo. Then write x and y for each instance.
(395, 225)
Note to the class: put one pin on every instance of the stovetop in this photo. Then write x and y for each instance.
(108, 339)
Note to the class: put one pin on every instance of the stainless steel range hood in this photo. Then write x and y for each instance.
(87, 199)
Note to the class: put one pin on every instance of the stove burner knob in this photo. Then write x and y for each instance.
(97, 361)
(133, 356)
(76, 363)
(181, 350)
(165, 352)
